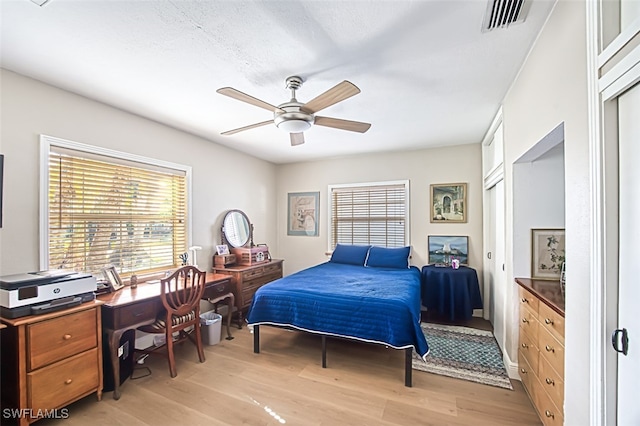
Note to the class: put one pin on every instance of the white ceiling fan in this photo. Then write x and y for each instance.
(295, 117)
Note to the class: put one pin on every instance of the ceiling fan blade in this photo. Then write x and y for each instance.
(338, 93)
(242, 129)
(352, 126)
(236, 94)
(297, 138)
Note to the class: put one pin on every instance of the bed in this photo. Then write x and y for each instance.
(365, 293)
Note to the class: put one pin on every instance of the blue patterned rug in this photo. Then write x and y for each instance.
(463, 353)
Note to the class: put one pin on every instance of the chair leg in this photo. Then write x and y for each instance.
(170, 355)
(199, 342)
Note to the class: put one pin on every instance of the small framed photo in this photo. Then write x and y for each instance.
(112, 277)
(443, 249)
(302, 213)
(449, 203)
(547, 254)
(222, 249)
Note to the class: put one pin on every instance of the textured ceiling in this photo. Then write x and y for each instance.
(428, 75)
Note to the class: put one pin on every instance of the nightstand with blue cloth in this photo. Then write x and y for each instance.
(452, 293)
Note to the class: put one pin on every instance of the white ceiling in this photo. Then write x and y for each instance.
(428, 75)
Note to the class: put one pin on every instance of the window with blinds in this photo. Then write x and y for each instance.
(111, 211)
(375, 214)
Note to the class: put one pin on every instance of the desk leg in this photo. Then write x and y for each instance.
(113, 336)
(231, 301)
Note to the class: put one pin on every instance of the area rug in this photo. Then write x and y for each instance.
(463, 353)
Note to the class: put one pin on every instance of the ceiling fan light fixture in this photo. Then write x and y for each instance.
(294, 126)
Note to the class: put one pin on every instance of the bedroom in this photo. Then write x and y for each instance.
(31, 108)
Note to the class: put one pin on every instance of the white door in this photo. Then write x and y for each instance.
(629, 229)
(496, 294)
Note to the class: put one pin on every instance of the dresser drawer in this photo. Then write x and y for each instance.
(527, 374)
(529, 322)
(273, 269)
(551, 382)
(58, 338)
(528, 347)
(54, 386)
(547, 410)
(552, 351)
(528, 299)
(552, 321)
(252, 273)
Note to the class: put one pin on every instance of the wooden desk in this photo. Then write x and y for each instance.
(128, 309)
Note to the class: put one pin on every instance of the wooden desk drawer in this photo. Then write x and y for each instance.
(54, 386)
(552, 351)
(135, 314)
(58, 338)
(217, 289)
(552, 321)
(528, 299)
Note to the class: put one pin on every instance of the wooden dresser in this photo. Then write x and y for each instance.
(49, 361)
(247, 279)
(541, 346)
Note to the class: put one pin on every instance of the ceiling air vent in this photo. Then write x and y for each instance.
(502, 13)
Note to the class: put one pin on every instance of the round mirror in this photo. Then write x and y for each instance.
(236, 228)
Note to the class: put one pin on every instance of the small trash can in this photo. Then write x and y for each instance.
(211, 325)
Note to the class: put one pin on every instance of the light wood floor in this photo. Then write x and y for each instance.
(285, 384)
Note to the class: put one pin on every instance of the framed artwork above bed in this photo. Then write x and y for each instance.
(302, 213)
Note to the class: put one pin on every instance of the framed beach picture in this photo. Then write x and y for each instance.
(547, 253)
(443, 249)
(448, 203)
(302, 213)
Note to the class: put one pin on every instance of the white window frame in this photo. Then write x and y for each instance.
(405, 182)
(46, 142)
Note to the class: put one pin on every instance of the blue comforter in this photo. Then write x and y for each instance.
(377, 305)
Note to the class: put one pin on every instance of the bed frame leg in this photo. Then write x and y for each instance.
(408, 356)
(256, 339)
(324, 351)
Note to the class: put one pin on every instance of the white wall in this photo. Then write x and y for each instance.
(222, 178)
(551, 89)
(538, 202)
(462, 163)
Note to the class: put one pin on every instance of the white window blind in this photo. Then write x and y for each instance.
(373, 214)
(109, 211)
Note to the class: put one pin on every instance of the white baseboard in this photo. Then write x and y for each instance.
(511, 366)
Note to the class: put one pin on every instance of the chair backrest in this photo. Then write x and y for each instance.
(182, 290)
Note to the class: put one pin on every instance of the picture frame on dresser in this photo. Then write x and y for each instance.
(547, 253)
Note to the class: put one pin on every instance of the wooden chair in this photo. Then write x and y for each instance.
(181, 294)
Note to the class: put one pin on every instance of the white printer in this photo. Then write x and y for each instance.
(44, 291)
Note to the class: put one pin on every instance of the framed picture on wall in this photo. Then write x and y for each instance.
(302, 213)
(448, 203)
(444, 248)
(547, 253)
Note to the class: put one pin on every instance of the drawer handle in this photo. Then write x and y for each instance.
(138, 314)
(524, 320)
(549, 349)
(523, 371)
(68, 381)
(524, 345)
(550, 381)
(523, 300)
(548, 321)
(549, 414)
(66, 337)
